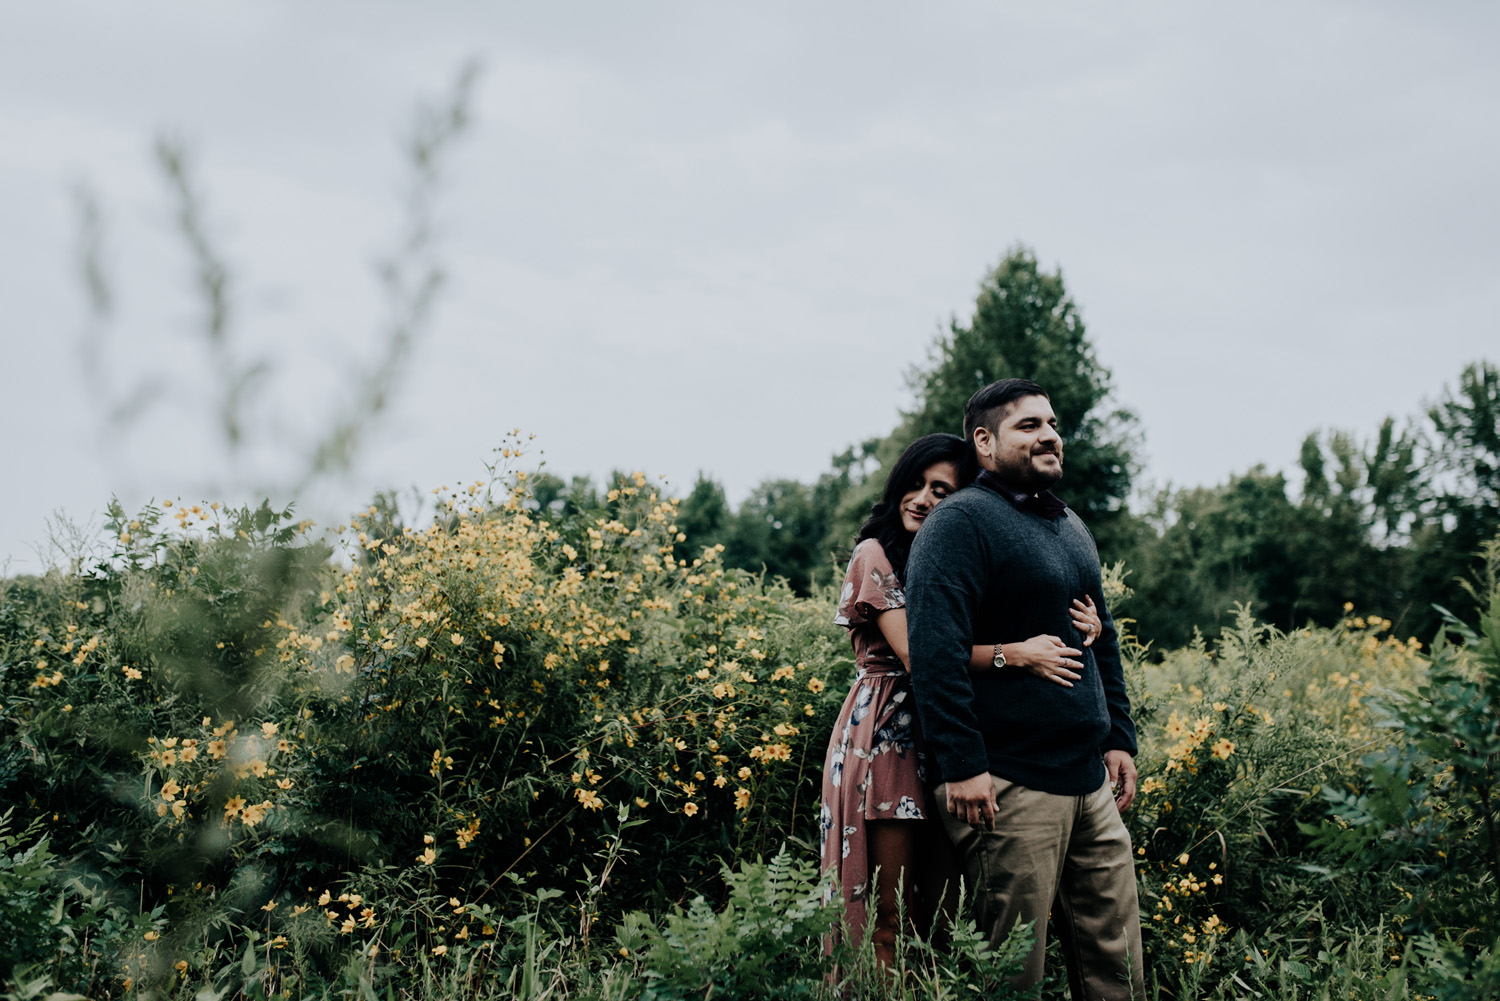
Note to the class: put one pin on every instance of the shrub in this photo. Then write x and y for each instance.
(1425, 810)
(1230, 777)
(336, 766)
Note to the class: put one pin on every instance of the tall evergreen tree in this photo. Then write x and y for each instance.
(1025, 325)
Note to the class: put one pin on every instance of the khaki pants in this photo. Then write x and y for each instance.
(1069, 855)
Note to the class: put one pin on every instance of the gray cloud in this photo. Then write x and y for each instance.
(685, 237)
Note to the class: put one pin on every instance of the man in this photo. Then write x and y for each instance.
(1036, 756)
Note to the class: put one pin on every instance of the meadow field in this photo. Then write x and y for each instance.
(535, 752)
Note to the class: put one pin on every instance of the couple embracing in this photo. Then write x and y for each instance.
(987, 730)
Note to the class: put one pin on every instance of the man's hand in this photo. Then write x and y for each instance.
(1047, 657)
(1120, 767)
(973, 801)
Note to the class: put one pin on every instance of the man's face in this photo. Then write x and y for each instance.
(1025, 450)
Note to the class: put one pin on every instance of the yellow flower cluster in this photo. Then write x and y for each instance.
(491, 587)
(1192, 936)
(68, 646)
(346, 912)
(189, 766)
(1187, 737)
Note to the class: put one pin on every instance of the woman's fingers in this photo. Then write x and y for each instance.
(1086, 620)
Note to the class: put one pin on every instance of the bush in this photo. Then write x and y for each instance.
(1424, 812)
(311, 772)
(1230, 778)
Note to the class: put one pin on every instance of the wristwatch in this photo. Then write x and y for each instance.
(999, 661)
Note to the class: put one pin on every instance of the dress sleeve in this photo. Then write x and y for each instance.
(870, 587)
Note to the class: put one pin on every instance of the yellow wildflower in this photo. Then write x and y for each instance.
(256, 812)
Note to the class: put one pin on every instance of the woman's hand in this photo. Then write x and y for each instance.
(1046, 657)
(1086, 619)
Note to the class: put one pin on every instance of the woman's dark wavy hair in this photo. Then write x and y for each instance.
(884, 524)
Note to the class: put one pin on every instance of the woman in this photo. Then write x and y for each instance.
(875, 813)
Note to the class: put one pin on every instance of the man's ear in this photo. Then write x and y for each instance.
(983, 440)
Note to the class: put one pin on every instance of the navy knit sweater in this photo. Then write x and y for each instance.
(984, 569)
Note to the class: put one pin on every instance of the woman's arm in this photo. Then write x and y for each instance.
(1044, 656)
(892, 623)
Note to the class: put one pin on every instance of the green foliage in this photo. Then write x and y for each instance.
(1425, 807)
(1466, 432)
(26, 885)
(705, 519)
(1389, 524)
(409, 750)
(1217, 547)
(355, 765)
(763, 943)
(1235, 742)
(766, 941)
(781, 528)
(784, 528)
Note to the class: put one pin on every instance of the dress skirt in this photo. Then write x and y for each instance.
(875, 770)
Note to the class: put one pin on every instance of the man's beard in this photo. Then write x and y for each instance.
(1025, 474)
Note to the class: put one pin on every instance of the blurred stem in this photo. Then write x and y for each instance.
(411, 276)
(235, 381)
(119, 409)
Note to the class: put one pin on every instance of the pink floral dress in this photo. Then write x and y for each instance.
(876, 765)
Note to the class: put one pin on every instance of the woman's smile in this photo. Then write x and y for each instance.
(937, 482)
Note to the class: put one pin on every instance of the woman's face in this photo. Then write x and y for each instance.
(938, 481)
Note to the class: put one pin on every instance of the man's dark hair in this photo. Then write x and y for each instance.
(884, 523)
(988, 407)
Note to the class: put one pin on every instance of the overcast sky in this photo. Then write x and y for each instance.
(714, 237)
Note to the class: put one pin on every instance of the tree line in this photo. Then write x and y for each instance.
(1388, 521)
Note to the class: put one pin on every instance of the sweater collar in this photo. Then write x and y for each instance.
(1047, 504)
